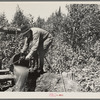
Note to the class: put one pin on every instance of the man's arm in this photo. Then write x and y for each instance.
(25, 47)
(35, 44)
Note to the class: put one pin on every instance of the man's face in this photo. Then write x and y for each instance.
(25, 34)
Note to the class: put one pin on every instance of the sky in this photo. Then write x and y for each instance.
(42, 9)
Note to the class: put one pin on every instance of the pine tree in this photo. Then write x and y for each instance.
(3, 20)
(21, 20)
(39, 22)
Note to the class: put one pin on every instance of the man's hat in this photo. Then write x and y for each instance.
(24, 29)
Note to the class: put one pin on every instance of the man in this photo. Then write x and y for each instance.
(39, 40)
(0, 59)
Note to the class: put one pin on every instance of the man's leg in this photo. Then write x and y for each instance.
(35, 62)
(0, 60)
(42, 51)
(47, 43)
(41, 61)
(0, 64)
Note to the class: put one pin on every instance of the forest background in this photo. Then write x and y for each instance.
(76, 41)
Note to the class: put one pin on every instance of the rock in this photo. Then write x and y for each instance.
(50, 82)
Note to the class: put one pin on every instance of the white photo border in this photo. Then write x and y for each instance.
(46, 95)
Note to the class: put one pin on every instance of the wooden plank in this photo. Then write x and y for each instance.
(4, 71)
(7, 77)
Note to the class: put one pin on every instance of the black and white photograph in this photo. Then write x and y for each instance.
(50, 47)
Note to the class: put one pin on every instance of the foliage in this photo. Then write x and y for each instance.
(54, 23)
(84, 27)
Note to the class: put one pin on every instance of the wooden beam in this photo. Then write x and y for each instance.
(7, 77)
(10, 30)
(4, 71)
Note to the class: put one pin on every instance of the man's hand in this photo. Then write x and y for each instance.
(22, 51)
(31, 70)
(22, 57)
(27, 57)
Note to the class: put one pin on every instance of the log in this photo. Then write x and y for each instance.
(7, 77)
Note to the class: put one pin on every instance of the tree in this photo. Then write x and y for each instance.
(84, 27)
(39, 22)
(60, 51)
(20, 19)
(55, 22)
(3, 23)
(3, 20)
